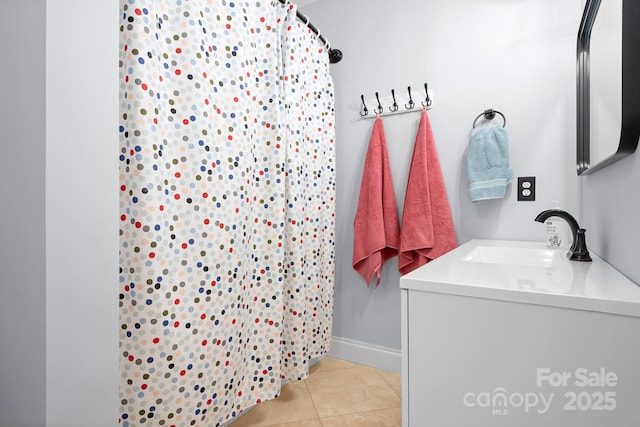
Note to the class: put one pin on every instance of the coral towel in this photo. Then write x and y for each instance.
(427, 227)
(376, 225)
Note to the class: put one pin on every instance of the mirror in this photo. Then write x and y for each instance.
(608, 83)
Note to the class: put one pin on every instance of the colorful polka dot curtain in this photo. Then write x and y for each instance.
(227, 184)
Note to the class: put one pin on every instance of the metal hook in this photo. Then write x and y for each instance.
(394, 107)
(428, 100)
(411, 103)
(364, 111)
(379, 109)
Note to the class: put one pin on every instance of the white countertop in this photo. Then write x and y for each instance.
(553, 281)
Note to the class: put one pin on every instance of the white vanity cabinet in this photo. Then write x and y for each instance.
(520, 342)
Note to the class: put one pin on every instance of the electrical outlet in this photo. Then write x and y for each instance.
(526, 188)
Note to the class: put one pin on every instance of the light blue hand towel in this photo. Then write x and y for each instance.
(488, 163)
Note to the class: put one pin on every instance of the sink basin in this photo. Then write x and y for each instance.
(505, 255)
(515, 265)
(527, 272)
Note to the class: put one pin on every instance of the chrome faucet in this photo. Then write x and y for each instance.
(578, 250)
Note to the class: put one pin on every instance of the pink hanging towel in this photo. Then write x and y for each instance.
(376, 225)
(427, 227)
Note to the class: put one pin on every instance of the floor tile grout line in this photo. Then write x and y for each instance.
(396, 406)
(379, 372)
(362, 412)
(356, 366)
(359, 412)
(315, 407)
(344, 368)
(389, 383)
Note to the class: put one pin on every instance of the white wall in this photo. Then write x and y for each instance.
(516, 57)
(81, 213)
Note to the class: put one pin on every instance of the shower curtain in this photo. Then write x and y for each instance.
(227, 186)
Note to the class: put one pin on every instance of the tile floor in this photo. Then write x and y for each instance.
(336, 394)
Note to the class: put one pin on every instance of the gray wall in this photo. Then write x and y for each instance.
(59, 214)
(611, 211)
(22, 221)
(516, 57)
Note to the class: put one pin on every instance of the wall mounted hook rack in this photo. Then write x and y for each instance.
(396, 103)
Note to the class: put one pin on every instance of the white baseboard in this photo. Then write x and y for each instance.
(375, 356)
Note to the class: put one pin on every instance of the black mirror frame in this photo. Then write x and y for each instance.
(630, 132)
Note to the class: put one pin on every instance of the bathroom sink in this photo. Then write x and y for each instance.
(502, 315)
(531, 272)
(514, 255)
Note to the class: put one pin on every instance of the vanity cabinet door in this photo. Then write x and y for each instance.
(482, 362)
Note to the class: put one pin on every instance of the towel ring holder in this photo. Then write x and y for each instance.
(490, 115)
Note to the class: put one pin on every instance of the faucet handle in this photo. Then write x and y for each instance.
(578, 251)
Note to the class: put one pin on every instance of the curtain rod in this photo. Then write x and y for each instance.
(335, 55)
